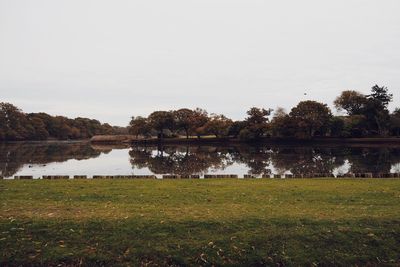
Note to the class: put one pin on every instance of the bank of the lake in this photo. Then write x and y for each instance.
(200, 222)
(210, 140)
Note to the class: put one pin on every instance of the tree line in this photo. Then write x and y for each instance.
(16, 125)
(365, 116)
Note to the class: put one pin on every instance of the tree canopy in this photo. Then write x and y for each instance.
(366, 116)
(16, 125)
(312, 118)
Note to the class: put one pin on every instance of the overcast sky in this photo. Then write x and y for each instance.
(113, 59)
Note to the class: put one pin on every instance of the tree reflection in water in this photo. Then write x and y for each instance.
(180, 160)
(256, 158)
(13, 156)
(306, 160)
(186, 160)
(376, 160)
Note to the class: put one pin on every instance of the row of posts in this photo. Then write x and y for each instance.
(208, 176)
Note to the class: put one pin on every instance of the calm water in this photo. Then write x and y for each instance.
(63, 158)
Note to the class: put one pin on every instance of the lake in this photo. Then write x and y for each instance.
(83, 158)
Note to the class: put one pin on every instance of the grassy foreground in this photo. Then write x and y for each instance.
(200, 222)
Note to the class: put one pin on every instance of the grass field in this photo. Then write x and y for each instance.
(200, 222)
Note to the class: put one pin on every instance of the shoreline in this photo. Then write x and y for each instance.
(129, 141)
(269, 141)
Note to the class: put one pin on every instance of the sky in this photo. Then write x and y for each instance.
(113, 59)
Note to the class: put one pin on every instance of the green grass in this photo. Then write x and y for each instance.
(200, 222)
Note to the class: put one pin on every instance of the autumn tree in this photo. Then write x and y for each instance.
(106, 128)
(337, 126)
(218, 125)
(356, 126)
(14, 123)
(311, 117)
(139, 126)
(352, 102)
(348, 126)
(39, 128)
(256, 123)
(373, 107)
(120, 130)
(3, 123)
(161, 121)
(395, 122)
(281, 123)
(236, 128)
(199, 120)
(185, 120)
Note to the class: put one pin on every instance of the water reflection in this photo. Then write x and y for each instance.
(262, 160)
(82, 158)
(180, 160)
(14, 156)
(306, 160)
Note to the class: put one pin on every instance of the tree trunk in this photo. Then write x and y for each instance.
(379, 126)
(161, 135)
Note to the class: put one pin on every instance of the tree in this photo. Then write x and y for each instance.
(256, 123)
(279, 113)
(106, 128)
(381, 95)
(372, 107)
(60, 128)
(352, 102)
(236, 128)
(118, 130)
(160, 121)
(139, 126)
(14, 123)
(3, 123)
(395, 122)
(356, 126)
(199, 120)
(377, 117)
(84, 126)
(39, 127)
(337, 127)
(184, 119)
(218, 125)
(311, 118)
(282, 124)
(376, 110)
